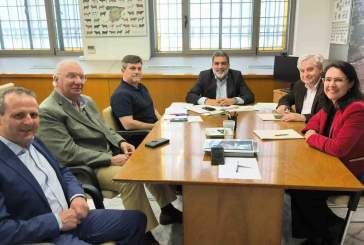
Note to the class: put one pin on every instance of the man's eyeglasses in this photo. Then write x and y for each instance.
(335, 79)
(73, 75)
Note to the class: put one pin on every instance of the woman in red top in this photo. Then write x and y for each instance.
(337, 129)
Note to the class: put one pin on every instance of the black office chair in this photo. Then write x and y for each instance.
(352, 201)
(134, 137)
(90, 184)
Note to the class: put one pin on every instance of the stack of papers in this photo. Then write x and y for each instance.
(239, 168)
(233, 147)
(215, 132)
(177, 108)
(265, 106)
(211, 110)
(182, 118)
(278, 134)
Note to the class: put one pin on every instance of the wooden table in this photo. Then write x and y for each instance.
(229, 211)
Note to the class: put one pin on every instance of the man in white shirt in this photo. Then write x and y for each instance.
(306, 93)
(220, 85)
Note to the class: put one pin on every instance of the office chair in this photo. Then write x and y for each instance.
(352, 201)
(5, 86)
(90, 184)
(87, 176)
(134, 137)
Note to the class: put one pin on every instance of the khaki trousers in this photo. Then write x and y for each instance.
(133, 195)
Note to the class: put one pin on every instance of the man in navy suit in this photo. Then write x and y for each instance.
(220, 85)
(41, 201)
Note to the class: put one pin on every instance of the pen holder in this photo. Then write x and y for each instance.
(229, 128)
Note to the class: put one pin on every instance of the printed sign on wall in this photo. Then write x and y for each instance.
(340, 22)
(114, 17)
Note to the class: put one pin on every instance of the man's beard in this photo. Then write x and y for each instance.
(221, 75)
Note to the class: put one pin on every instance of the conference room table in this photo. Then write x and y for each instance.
(234, 211)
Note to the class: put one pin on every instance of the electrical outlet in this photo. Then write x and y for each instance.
(91, 49)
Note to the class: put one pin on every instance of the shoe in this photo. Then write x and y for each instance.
(173, 216)
(314, 241)
(149, 239)
(334, 233)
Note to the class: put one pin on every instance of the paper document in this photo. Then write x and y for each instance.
(265, 106)
(270, 117)
(278, 134)
(211, 110)
(215, 132)
(239, 168)
(177, 108)
(243, 108)
(177, 118)
(194, 119)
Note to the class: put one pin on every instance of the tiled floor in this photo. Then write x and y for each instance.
(172, 234)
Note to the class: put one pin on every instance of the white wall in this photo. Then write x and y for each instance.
(312, 27)
(115, 48)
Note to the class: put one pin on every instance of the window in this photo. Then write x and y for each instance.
(195, 26)
(34, 26)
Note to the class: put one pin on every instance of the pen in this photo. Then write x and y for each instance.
(240, 166)
(280, 134)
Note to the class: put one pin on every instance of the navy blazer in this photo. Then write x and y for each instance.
(296, 96)
(25, 215)
(206, 87)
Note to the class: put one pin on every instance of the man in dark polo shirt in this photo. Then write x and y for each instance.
(131, 103)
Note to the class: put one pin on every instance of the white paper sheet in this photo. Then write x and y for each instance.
(266, 106)
(189, 118)
(278, 134)
(269, 117)
(239, 168)
(194, 119)
(177, 108)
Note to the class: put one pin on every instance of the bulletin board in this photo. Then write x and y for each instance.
(113, 17)
(340, 22)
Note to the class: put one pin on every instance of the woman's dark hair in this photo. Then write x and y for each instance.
(352, 95)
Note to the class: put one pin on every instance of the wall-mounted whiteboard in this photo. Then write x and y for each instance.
(113, 17)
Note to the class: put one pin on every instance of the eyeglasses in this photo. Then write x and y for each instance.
(73, 75)
(335, 79)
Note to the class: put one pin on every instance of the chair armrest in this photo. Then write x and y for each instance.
(85, 175)
(95, 194)
(133, 132)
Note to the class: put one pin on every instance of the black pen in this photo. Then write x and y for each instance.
(280, 134)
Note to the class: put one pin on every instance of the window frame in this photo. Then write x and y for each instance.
(255, 37)
(52, 36)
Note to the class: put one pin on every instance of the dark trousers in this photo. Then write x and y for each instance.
(103, 225)
(311, 217)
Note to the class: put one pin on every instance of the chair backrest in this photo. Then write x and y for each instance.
(109, 118)
(5, 86)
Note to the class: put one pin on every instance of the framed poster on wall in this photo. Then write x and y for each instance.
(340, 22)
(113, 17)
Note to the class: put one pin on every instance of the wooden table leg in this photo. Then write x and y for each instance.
(232, 215)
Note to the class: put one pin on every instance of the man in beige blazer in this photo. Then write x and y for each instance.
(72, 128)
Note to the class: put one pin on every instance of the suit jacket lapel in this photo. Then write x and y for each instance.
(67, 107)
(317, 97)
(300, 97)
(10, 159)
(229, 86)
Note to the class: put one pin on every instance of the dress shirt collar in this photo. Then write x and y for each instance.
(81, 101)
(17, 149)
(314, 87)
